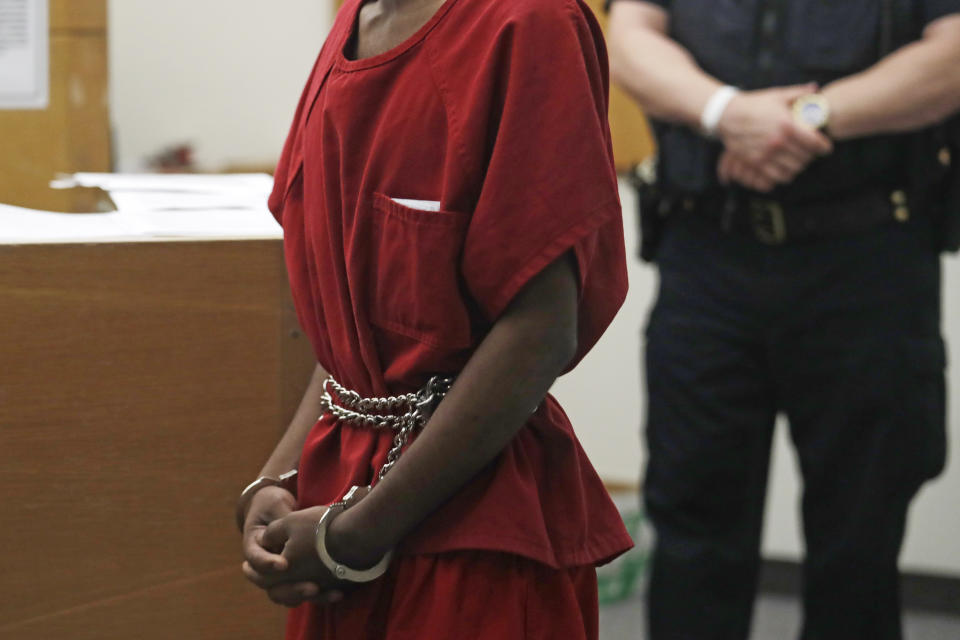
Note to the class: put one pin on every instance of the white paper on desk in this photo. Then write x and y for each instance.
(18, 225)
(223, 184)
(27, 226)
(230, 206)
(24, 54)
(182, 201)
(212, 224)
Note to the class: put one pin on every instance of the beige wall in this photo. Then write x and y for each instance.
(224, 75)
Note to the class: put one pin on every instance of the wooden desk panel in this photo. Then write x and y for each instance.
(141, 386)
(73, 132)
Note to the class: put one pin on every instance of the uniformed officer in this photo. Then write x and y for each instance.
(799, 273)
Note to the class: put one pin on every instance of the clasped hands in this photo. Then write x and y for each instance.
(280, 554)
(763, 145)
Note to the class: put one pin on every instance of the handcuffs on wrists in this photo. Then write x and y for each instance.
(404, 415)
(416, 410)
(286, 481)
(339, 570)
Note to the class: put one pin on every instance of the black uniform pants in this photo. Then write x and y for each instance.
(842, 336)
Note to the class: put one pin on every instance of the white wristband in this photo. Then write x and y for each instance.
(713, 111)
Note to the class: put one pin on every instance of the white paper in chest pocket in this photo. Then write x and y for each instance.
(419, 205)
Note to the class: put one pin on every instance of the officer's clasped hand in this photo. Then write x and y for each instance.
(763, 145)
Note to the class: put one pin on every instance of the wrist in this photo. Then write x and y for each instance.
(812, 111)
(714, 111)
(351, 543)
(838, 122)
(735, 119)
(286, 481)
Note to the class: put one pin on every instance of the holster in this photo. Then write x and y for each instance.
(652, 210)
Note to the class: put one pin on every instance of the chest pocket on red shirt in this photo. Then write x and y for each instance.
(417, 289)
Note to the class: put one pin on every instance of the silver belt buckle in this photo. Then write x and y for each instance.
(768, 221)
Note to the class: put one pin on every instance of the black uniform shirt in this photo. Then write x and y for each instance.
(930, 10)
(754, 44)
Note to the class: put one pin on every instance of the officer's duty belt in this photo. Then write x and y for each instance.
(775, 223)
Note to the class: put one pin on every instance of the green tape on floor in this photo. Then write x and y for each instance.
(620, 579)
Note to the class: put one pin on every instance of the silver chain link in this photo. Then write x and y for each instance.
(408, 412)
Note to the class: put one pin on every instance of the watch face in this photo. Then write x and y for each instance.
(812, 111)
(812, 114)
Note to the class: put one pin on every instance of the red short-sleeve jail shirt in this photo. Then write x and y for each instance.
(419, 190)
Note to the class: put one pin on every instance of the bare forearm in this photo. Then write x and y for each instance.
(914, 87)
(493, 397)
(656, 71)
(286, 455)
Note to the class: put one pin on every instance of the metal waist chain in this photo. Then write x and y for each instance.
(402, 414)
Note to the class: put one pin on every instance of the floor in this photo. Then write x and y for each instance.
(776, 618)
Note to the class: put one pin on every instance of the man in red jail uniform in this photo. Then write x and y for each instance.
(450, 208)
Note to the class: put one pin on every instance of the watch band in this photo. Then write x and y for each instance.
(286, 481)
(713, 110)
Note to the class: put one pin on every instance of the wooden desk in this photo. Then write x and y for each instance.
(141, 386)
